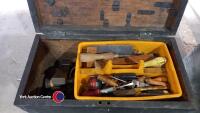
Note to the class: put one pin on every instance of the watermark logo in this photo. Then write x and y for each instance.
(58, 96)
(34, 97)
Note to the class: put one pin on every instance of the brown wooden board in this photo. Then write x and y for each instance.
(154, 15)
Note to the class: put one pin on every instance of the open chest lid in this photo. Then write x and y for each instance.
(158, 17)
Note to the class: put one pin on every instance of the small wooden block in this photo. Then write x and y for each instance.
(90, 50)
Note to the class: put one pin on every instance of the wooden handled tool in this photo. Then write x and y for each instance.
(156, 62)
(121, 61)
(137, 58)
(161, 78)
(137, 91)
(107, 80)
(155, 82)
(157, 71)
(90, 57)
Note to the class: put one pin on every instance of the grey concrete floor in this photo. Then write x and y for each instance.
(17, 34)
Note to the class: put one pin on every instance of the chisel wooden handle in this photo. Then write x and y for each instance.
(90, 57)
(150, 88)
(161, 79)
(137, 58)
(121, 61)
(155, 82)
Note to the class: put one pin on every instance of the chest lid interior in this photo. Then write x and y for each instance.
(160, 17)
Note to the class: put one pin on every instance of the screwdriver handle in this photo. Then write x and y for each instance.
(156, 62)
(151, 88)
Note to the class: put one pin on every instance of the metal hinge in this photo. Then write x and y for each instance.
(59, 33)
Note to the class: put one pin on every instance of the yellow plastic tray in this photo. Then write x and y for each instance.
(144, 46)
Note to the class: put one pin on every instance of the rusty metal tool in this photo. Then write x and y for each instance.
(116, 49)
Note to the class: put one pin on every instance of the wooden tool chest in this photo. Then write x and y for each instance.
(61, 25)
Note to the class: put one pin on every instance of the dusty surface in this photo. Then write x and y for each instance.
(17, 34)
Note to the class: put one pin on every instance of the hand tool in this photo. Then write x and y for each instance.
(90, 57)
(118, 79)
(155, 82)
(136, 91)
(91, 92)
(156, 62)
(107, 80)
(55, 83)
(140, 84)
(121, 61)
(116, 49)
(158, 71)
(137, 58)
(108, 90)
(94, 83)
(111, 89)
(132, 84)
(154, 93)
(125, 76)
(161, 78)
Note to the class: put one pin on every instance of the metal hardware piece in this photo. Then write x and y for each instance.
(163, 5)
(146, 12)
(51, 2)
(128, 19)
(102, 15)
(116, 5)
(60, 12)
